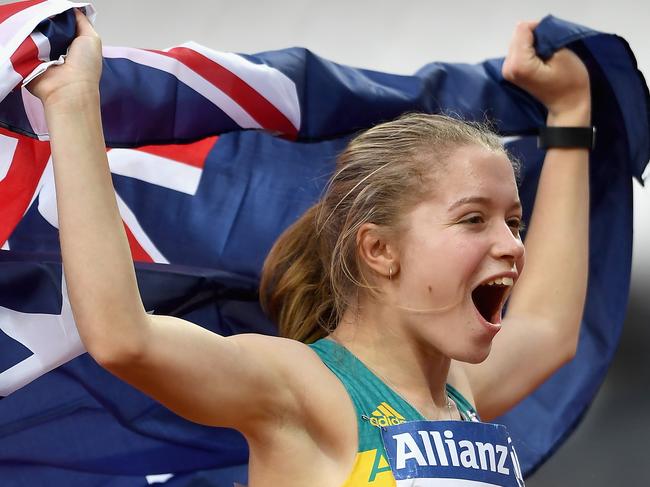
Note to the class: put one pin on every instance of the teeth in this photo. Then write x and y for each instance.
(501, 281)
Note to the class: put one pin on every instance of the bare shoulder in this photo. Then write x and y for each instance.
(304, 438)
(314, 389)
(273, 348)
(295, 361)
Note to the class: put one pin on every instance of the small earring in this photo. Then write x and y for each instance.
(390, 272)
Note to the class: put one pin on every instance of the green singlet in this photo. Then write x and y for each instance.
(376, 405)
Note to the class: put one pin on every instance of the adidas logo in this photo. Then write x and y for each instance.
(385, 415)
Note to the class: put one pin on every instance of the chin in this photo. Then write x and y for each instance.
(473, 355)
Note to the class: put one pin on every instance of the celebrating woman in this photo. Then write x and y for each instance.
(397, 279)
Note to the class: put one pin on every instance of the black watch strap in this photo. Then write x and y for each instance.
(567, 137)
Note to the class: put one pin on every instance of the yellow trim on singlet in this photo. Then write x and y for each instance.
(370, 469)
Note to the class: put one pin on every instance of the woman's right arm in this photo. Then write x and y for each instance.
(205, 377)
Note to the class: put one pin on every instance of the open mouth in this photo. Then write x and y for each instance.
(489, 300)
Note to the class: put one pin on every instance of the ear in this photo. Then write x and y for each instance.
(377, 250)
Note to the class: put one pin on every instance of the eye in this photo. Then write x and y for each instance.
(473, 220)
(517, 225)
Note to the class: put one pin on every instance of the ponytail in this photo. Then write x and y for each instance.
(295, 290)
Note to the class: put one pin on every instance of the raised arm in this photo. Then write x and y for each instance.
(200, 375)
(540, 331)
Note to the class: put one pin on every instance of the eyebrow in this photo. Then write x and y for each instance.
(478, 199)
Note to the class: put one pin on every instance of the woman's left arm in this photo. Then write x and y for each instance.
(540, 331)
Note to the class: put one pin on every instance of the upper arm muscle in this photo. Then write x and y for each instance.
(220, 381)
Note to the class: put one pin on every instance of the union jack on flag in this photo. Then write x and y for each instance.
(214, 154)
(234, 93)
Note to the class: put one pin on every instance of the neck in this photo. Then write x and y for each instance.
(380, 338)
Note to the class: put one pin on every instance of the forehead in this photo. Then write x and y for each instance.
(474, 171)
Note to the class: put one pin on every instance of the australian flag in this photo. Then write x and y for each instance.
(214, 154)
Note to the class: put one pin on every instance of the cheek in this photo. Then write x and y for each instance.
(467, 255)
(440, 269)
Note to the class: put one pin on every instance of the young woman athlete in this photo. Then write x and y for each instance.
(407, 261)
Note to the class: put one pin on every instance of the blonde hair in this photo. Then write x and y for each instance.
(314, 269)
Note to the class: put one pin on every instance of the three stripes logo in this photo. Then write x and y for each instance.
(385, 415)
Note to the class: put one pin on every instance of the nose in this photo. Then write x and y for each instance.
(507, 245)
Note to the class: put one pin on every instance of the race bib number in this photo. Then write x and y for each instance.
(451, 454)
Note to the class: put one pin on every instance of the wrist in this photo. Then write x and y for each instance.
(578, 115)
(72, 98)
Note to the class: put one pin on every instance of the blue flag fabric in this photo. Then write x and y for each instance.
(244, 189)
(79, 425)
